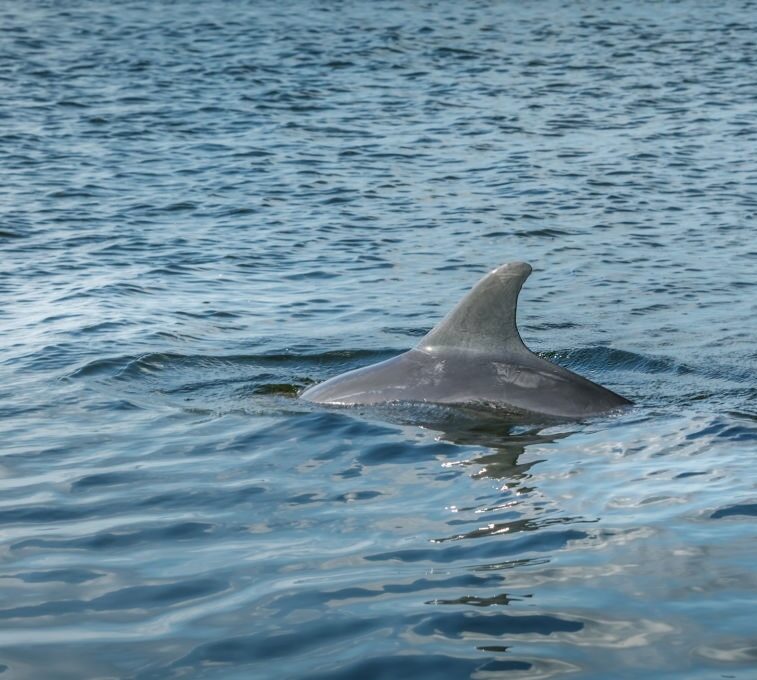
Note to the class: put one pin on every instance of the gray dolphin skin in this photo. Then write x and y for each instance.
(474, 356)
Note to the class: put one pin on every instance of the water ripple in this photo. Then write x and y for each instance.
(208, 206)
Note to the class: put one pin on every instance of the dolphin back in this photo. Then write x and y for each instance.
(474, 355)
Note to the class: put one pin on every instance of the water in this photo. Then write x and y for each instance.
(209, 206)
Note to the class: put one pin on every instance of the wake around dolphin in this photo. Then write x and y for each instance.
(474, 356)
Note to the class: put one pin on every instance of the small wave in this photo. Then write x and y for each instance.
(133, 365)
(258, 383)
(456, 52)
(143, 597)
(108, 540)
(725, 428)
(609, 358)
(542, 233)
(420, 665)
(510, 528)
(455, 624)
(545, 541)
(7, 233)
(743, 510)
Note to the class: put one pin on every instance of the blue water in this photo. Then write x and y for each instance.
(207, 206)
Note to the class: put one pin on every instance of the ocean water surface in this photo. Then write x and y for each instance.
(207, 206)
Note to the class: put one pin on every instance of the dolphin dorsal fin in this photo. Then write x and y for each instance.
(484, 320)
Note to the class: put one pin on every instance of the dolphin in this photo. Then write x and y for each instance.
(474, 356)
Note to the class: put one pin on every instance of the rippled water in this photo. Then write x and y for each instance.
(208, 206)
